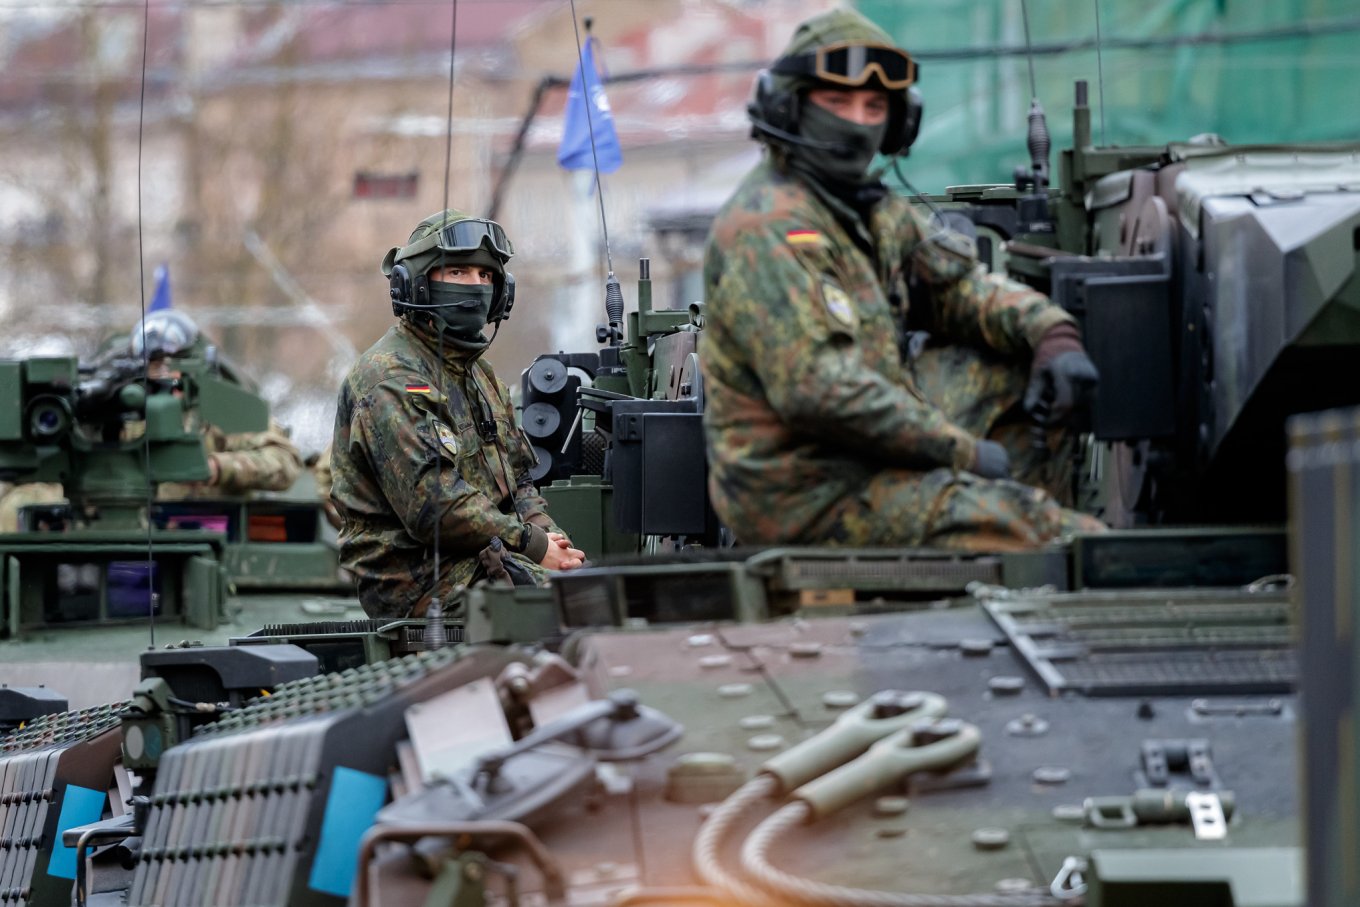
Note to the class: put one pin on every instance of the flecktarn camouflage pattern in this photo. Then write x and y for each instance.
(246, 461)
(415, 444)
(816, 429)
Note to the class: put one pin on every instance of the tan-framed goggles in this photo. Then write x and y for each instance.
(852, 65)
(463, 236)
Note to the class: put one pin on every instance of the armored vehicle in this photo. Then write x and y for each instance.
(1114, 720)
(77, 583)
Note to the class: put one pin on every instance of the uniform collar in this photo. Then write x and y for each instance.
(458, 354)
(855, 223)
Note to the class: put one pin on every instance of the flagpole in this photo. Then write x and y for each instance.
(596, 182)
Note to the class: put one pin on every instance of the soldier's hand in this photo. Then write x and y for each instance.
(1062, 378)
(560, 555)
(991, 461)
(1060, 386)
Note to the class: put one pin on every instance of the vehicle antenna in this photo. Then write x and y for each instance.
(434, 614)
(1038, 140)
(151, 595)
(1100, 74)
(1029, 48)
(1033, 208)
(613, 296)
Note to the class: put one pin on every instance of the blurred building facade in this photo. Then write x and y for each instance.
(282, 149)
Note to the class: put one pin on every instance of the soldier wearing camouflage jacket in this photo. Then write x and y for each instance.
(426, 446)
(820, 427)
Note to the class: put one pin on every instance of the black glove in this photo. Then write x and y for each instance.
(1062, 379)
(991, 461)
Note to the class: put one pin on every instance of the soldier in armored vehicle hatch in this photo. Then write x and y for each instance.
(820, 427)
(238, 462)
(427, 455)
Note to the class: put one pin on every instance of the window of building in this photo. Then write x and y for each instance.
(385, 185)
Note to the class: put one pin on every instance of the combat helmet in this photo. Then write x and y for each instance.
(449, 237)
(838, 49)
(166, 332)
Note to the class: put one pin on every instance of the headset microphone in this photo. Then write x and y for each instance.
(758, 125)
(413, 293)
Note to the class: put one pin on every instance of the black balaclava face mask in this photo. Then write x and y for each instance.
(858, 144)
(463, 308)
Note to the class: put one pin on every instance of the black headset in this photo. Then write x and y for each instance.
(775, 112)
(413, 294)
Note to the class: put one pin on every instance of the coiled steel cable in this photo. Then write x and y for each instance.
(784, 887)
(714, 832)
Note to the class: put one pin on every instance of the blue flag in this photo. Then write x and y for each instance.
(161, 300)
(574, 152)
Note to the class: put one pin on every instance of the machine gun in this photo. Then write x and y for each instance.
(69, 424)
(107, 434)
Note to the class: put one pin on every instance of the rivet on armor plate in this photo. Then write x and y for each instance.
(764, 742)
(991, 838)
(1051, 774)
(1006, 685)
(891, 806)
(1027, 725)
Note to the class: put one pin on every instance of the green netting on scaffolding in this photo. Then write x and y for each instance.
(1248, 70)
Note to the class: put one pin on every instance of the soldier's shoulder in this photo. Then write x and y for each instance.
(909, 215)
(393, 359)
(765, 207)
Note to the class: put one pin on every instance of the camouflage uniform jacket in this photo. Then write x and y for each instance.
(246, 461)
(807, 394)
(415, 444)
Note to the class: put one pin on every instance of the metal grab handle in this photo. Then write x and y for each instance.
(94, 834)
(1110, 812)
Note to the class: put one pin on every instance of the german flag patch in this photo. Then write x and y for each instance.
(419, 389)
(803, 237)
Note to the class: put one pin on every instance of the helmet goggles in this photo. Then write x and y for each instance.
(852, 65)
(464, 236)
